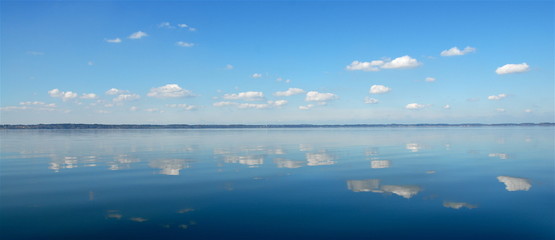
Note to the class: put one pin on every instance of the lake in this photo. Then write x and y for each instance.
(305, 183)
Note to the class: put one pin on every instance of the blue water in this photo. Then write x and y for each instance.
(331, 183)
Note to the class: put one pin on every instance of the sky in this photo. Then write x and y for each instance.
(277, 62)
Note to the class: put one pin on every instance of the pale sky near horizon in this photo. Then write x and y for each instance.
(277, 62)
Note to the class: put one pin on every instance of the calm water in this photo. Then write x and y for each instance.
(344, 183)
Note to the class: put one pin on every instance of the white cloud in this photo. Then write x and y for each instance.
(165, 25)
(278, 103)
(372, 66)
(153, 110)
(289, 92)
(63, 95)
(447, 106)
(35, 53)
(253, 105)
(528, 110)
(115, 91)
(256, 75)
(184, 44)
(224, 104)
(229, 67)
(279, 79)
(430, 79)
(414, 106)
(306, 107)
(183, 106)
(317, 96)
(455, 51)
(402, 62)
(513, 68)
(88, 96)
(369, 100)
(378, 89)
(90, 63)
(138, 35)
(192, 29)
(182, 25)
(500, 110)
(515, 184)
(115, 40)
(248, 96)
(133, 108)
(497, 97)
(169, 91)
(37, 103)
(375, 65)
(126, 97)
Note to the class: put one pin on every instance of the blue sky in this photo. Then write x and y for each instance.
(277, 62)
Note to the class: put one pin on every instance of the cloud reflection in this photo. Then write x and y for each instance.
(251, 161)
(458, 205)
(380, 164)
(319, 159)
(170, 166)
(286, 163)
(515, 184)
(373, 185)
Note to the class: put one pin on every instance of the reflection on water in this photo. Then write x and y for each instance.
(515, 184)
(276, 181)
(458, 205)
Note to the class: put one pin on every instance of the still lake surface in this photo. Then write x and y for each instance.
(328, 183)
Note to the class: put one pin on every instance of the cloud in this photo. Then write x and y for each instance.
(528, 110)
(306, 107)
(375, 65)
(126, 97)
(224, 104)
(430, 79)
(458, 205)
(512, 68)
(455, 51)
(133, 108)
(248, 96)
(56, 93)
(289, 92)
(229, 67)
(165, 25)
(183, 106)
(115, 40)
(88, 96)
(378, 89)
(115, 91)
(153, 110)
(279, 79)
(402, 62)
(35, 53)
(369, 100)
(169, 91)
(37, 103)
(182, 25)
(319, 159)
(184, 44)
(318, 97)
(415, 106)
(256, 75)
(372, 66)
(268, 104)
(138, 35)
(497, 97)
(447, 106)
(515, 184)
(500, 109)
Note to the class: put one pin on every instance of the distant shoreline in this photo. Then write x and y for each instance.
(211, 126)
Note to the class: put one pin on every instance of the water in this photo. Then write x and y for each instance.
(338, 183)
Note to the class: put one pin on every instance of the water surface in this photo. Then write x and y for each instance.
(331, 183)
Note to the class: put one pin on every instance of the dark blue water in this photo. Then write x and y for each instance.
(343, 183)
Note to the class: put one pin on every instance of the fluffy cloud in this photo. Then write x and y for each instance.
(63, 95)
(138, 35)
(268, 104)
(169, 91)
(500, 109)
(513, 68)
(415, 106)
(229, 67)
(184, 44)
(378, 89)
(183, 25)
(115, 40)
(372, 66)
(455, 51)
(165, 25)
(88, 96)
(400, 62)
(497, 97)
(248, 96)
(289, 92)
(183, 106)
(447, 106)
(369, 100)
(37, 103)
(115, 91)
(223, 104)
(126, 97)
(306, 107)
(430, 79)
(256, 75)
(319, 97)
